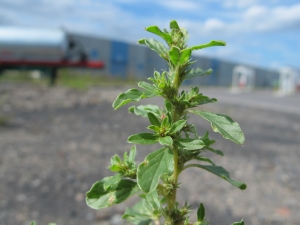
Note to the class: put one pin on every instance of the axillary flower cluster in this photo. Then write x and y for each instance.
(155, 180)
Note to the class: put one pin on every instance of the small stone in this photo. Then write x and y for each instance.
(36, 183)
(79, 197)
(116, 219)
(89, 216)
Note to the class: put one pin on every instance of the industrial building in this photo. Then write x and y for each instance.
(133, 61)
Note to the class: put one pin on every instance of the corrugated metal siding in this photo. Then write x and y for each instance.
(137, 62)
(134, 61)
(119, 59)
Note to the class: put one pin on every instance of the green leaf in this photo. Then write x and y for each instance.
(147, 86)
(153, 119)
(224, 125)
(177, 126)
(185, 56)
(109, 191)
(223, 173)
(190, 144)
(218, 152)
(201, 213)
(115, 160)
(167, 140)
(197, 73)
(33, 223)
(210, 44)
(204, 159)
(174, 25)
(139, 214)
(132, 95)
(155, 164)
(154, 128)
(142, 41)
(132, 154)
(174, 55)
(157, 31)
(157, 46)
(143, 138)
(153, 199)
(168, 105)
(143, 110)
(238, 223)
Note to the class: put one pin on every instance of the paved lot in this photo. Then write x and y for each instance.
(56, 142)
(262, 99)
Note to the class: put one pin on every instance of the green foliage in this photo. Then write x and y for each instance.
(156, 178)
(33, 223)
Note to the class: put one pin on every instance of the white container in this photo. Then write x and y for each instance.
(31, 44)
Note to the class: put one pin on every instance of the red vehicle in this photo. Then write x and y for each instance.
(41, 49)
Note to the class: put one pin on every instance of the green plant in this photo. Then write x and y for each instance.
(33, 223)
(155, 180)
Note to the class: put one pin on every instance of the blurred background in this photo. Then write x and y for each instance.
(62, 63)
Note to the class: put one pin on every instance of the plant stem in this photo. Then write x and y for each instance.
(176, 79)
(172, 198)
(175, 117)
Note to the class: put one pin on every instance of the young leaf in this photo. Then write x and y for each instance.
(143, 138)
(140, 214)
(210, 44)
(157, 46)
(224, 174)
(153, 119)
(204, 159)
(154, 128)
(218, 152)
(153, 199)
(167, 140)
(174, 25)
(238, 223)
(132, 95)
(132, 153)
(224, 125)
(201, 213)
(147, 86)
(168, 105)
(197, 73)
(185, 56)
(177, 126)
(157, 31)
(109, 191)
(190, 144)
(155, 164)
(143, 110)
(32, 223)
(142, 41)
(174, 55)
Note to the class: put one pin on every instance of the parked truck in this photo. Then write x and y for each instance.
(46, 50)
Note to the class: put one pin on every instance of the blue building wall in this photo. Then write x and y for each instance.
(132, 61)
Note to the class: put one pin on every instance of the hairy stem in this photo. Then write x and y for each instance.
(175, 117)
(172, 198)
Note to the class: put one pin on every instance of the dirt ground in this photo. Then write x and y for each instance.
(56, 142)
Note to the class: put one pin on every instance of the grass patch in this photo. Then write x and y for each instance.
(70, 78)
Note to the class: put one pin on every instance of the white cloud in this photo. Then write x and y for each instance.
(180, 5)
(239, 3)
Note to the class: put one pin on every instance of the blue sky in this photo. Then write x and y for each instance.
(264, 33)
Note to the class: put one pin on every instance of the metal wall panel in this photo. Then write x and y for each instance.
(137, 62)
(119, 59)
(226, 69)
(154, 63)
(134, 61)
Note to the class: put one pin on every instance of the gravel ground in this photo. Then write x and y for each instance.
(57, 142)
